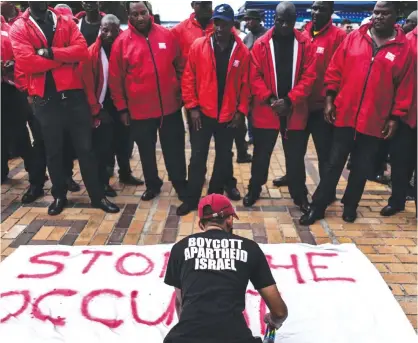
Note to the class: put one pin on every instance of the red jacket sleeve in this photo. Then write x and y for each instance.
(86, 68)
(245, 95)
(259, 89)
(179, 61)
(25, 54)
(20, 78)
(404, 84)
(77, 49)
(117, 73)
(334, 71)
(303, 88)
(188, 82)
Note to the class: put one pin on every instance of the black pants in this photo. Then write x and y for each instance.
(144, 133)
(402, 155)
(363, 149)
(71, 115)
(264, 142)
(102, 145)
(381, 157)
(122, 144)
(231, 181)
(240, 142)
(222, 169)
(250, 126)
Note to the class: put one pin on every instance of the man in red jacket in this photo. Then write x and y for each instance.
(215, 91)
(144, 79)
(89, 21)
(364, 106)
(48, 48)
(403, 148)
(282, 74)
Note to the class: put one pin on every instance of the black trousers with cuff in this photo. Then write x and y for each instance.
(240, 142)
(363, 150)
(61, 114)
(102, 137)
(222, 169)
(403, 153)
(172, 139)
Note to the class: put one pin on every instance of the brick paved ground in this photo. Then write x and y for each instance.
(390, 243)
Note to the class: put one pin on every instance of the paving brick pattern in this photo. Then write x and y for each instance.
(390, 243)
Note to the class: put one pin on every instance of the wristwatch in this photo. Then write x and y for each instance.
(42, 52)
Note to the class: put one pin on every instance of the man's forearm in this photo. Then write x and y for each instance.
(178, 308)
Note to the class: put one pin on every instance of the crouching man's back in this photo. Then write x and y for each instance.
(210, 272)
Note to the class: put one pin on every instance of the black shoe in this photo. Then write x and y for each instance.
(280, 181)
(382, 179)
(311, 217)
(150, 194)
(388, 211)
(349, 214)
(33, 193)
(131, 180)
(106, 205)
(185, 209)
(245, 159)
(73, 186)
(250, 199)
(110, 192)
(233, 194)
(304, 206)
(57, 206)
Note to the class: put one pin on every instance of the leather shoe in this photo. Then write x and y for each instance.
(57, 206)
(304, 206)
(33, 193)
(382, 179)
(233, 194)
(388, 211)
(106, 205)
(349, 214)
(185, 209)
(109, 191)
(73, 186)
(311, 217)
(280, 181)
(245, 159)
(150, 194)
(131, 180)
(250, 199)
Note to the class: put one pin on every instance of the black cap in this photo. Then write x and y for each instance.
(253, 14)
(224, 12)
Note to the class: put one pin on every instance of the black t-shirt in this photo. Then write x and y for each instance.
(212, 269)
(283, 51)
(89, 31)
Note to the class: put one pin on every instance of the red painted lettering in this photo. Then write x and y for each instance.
(121, 269)
(294, 266)
(313, 268)
(38, 314)
(110, 323)
(167, 316)
(26, 301)
(96, 255)
(166, 258)
(261, 311)
(59, 267)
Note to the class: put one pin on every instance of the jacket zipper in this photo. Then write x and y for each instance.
(158, 82)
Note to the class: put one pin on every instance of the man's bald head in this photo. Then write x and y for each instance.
(410, 23)
(285, 18)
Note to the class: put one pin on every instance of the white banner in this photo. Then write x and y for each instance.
(116, 294)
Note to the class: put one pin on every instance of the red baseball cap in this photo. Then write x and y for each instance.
(220, 205)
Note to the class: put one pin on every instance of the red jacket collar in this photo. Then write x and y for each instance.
(309, 28)
(414, 31)
(400, 35)
(82, 14)
(195, 22)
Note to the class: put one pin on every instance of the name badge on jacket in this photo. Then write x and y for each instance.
(162, 46)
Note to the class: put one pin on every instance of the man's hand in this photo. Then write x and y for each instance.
(235, 121)
(9, 66)
(104, 116)
(329, 111)
(283, 108)
(30, 99)
(195, 116)
(272, 322)
(125, 119)
(389, 129)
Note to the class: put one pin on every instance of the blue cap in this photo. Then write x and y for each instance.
(224, 12)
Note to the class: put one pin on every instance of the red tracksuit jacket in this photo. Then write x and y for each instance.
(188, 31)
(326, 42)
(370, 88)
(69, 48)
(144, 73)
(264, 82)
(411, 118)
(200, 86)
